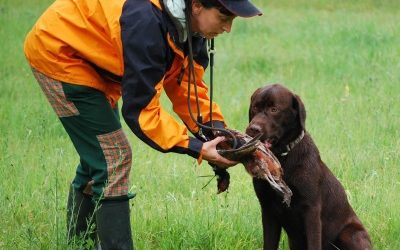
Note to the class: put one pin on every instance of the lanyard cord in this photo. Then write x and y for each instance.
(212, 52)
(192, 75)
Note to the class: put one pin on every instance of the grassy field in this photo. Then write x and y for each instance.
(341, 57)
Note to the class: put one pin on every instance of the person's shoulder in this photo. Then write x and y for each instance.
(143, 26)
(140, 12)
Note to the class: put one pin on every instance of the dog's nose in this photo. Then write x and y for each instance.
(253, 130)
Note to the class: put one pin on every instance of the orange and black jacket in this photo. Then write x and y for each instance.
(129, 48)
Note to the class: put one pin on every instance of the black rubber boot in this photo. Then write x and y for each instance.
(114, 226)
(80, 218)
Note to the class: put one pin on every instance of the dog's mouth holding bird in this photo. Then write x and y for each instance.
(258, 160)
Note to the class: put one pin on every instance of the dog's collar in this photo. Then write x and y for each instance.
(291, 145)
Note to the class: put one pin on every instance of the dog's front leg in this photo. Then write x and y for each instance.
(271, 229)
(271, 225)
(312, 221)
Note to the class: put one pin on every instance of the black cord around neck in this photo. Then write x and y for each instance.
(211, 51)
(191, 76)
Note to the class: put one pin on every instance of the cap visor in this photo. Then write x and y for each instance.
(240, 8)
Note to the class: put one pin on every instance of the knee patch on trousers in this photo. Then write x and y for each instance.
(118, 155)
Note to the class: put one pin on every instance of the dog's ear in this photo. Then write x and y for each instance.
(301, 111)
(252, 101)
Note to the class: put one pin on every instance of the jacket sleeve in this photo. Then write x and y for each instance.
(145, 48)
(178, 94)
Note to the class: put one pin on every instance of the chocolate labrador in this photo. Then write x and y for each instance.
(319, 216)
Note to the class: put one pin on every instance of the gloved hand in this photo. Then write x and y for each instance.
(218, 163)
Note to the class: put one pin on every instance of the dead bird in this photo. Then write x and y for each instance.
(258, 161)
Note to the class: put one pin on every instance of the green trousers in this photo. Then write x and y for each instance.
(95, 130)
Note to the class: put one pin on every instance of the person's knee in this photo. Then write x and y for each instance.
(118, 155)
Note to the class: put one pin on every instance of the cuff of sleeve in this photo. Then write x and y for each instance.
(216, 124)
(195, 146)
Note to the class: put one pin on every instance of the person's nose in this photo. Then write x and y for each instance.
(227, 27)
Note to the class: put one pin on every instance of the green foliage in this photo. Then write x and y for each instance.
(341, 57)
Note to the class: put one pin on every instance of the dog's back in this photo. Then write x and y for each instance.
(320, 216)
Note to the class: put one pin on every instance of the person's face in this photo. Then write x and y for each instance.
(210, 22)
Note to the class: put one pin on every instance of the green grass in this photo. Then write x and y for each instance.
(341, 57)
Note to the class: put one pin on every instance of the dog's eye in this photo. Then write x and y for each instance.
(274, 109)
(257, 108)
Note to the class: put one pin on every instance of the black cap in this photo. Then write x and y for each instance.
(242, 8)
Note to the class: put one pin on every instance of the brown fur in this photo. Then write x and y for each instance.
(320, 216)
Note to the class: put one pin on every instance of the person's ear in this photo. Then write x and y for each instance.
(196, 7)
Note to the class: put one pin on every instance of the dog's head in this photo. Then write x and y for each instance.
(277, 113)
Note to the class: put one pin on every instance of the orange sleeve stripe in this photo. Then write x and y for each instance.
(156, 3)
(160, 126)
(178, 95)
(174, 47)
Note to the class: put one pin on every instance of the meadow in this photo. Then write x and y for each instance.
(341, 57)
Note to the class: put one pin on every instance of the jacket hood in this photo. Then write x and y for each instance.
(176, 10)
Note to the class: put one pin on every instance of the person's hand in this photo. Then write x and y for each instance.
(210, 154)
